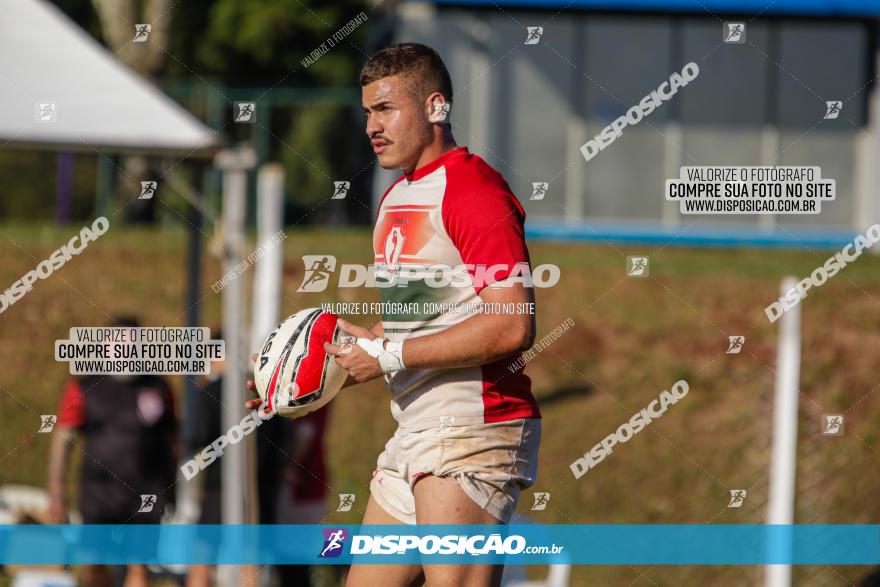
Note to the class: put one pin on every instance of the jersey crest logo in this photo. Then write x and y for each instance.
(393, 248)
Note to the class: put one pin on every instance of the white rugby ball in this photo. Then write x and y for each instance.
(293, 374)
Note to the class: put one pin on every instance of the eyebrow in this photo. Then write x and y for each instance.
(377, 104)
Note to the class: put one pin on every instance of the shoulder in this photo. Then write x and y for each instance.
(471, 172)
(71, 410)
(474, 186)
(72, 390)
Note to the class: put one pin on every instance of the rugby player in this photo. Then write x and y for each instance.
(468, 427)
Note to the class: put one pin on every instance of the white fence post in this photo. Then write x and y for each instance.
(785, 417)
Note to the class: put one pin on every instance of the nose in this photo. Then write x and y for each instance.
(374, 126)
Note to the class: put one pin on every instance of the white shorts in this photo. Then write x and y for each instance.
(492, 462)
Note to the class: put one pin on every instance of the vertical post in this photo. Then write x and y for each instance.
(187, 504)
(770, 154)
(866, 205)
(266, 304)
(673, 157)
(215, 116)
(576, 134)
(262, 142)
(234, 163)
(783, 459)
(673, 136)
(480, 99)
(106, 181)
(64, 190)
(266, 301)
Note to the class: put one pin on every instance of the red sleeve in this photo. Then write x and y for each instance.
(72, 407)
(485, 222)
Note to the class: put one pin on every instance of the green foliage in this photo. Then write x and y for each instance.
(274, 35)
(238, 40)
(308, 160)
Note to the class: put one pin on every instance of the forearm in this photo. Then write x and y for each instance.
(478, 340)
(481, 339)
(59, 457)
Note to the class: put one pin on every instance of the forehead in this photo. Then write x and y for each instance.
(387, 88)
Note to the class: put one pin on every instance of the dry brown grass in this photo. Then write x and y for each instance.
(632, 338)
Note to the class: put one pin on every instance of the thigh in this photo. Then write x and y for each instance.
(136, 576)
(441, 500)
(390, 575)
(97, 576)
(198, 576)
(492, 462)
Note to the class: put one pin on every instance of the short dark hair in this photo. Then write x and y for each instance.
(420, 67)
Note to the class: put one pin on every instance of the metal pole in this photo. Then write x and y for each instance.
(187, 503)
(867, 207)
(266, 301)
(105, 181)
(770, 130)
(266, 306)
(234, 164)
(785, 412)
(64, 190)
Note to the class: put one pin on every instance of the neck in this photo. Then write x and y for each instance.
(441, 145)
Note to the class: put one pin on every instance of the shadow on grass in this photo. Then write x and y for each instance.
(564, 393)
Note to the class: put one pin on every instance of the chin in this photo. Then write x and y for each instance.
(386, 162)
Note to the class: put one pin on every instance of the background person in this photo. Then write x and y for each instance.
(302, 495)
(129, 432)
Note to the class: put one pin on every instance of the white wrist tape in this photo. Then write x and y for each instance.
(389, 354)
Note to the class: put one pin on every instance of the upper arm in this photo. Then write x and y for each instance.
(72, 407)
(64, 435)
(514, 304)
(508, 292)
(486, 222)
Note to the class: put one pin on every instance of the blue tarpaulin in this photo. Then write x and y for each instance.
(603, 544)
(709, 7)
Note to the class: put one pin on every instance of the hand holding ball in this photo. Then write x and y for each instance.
(293, 374)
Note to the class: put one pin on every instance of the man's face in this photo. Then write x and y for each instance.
(397, 123)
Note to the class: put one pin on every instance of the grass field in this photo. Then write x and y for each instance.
(632, 338)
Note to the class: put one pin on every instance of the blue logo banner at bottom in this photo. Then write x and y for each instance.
(523, 544)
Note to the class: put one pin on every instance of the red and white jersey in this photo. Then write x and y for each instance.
(455, 212)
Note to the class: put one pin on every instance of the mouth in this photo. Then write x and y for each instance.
(379, 146)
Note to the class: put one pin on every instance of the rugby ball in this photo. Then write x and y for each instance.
(293, 374)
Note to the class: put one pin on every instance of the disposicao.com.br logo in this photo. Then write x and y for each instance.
(319, 268)
(431, 544)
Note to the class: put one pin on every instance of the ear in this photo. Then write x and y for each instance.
(438, 108)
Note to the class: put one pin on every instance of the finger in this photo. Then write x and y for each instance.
(251, 385)
(358, 331)
(253, 404)
(254, 357)
(333, 349)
